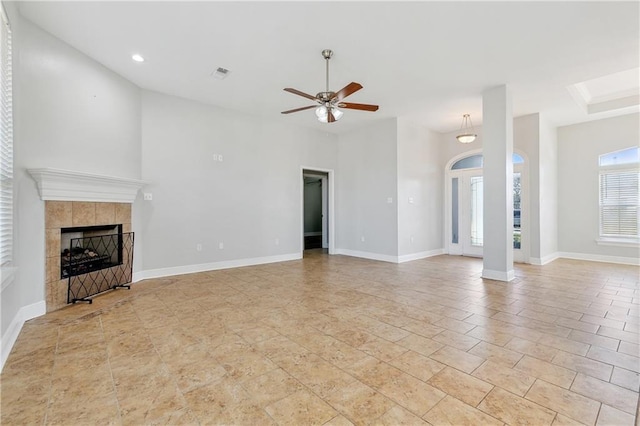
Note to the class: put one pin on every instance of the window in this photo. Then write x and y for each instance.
(517, 212)
(477, 161)
(616, 158)
(6, 149)
(477, 211)
(619, 200)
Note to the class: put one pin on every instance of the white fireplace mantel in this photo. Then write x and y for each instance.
(65, 185)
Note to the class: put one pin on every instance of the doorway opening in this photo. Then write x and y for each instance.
(317, 222)
(313, 213)
(465, 210)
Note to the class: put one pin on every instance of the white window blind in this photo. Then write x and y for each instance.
(619, 202)
(6, 146)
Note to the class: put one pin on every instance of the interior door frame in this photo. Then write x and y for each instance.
(328, 206)
(464, 205)
(521, 255)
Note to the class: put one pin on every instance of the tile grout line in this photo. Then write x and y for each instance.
(113, 382)
(53, 369)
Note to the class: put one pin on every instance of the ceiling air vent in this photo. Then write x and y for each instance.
(220, 73)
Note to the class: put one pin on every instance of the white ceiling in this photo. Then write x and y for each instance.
(429, 61)
(612, 86)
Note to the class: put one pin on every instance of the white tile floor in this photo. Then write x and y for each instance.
(337, 340)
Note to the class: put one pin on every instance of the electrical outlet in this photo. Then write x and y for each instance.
(389, 200)
(198, 247)
(220, 158)
(362, 238)
(277, 241)
(410, 200)
(148, 196)
(412, 239)
(215, 157)
(221, 245)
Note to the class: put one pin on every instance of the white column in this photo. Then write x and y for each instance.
(497, 141)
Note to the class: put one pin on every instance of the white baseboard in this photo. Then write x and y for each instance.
(420, 255)
(11, 335)
(544, 260)
(600, 258)
(368, 255)
(203, 267)
(498, 275)
(389, 258)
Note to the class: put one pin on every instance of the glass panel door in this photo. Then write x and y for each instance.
(454, 211)
(471, 214)
(517, 211)
(476, 211)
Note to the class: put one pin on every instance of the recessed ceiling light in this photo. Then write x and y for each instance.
(137, 58)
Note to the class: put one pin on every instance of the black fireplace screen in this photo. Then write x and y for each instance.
(96, 264)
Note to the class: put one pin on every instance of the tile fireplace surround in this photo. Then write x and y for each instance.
(74, 199)
(67, 214)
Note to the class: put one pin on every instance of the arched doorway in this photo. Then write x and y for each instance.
(464, 206)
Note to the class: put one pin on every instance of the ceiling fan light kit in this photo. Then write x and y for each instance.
(468, 134)
(329, 101)
(322, 112)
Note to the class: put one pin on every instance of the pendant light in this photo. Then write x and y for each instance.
(467, 132)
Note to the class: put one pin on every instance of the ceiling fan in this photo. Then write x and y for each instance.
(329, 102)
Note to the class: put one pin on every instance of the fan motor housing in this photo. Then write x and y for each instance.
(325, 96)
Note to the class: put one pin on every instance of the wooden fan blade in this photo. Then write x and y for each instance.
(330, 118)
(298, 109)
(347, 90)
(299, 93)
(363, 107)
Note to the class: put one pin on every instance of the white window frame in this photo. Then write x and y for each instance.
(7, 269)
(613, 239)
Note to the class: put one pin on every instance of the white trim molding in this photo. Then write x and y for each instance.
(601, 258)
(390, 258)
(420, 255)
(498, 275)
(65, 185)
(618, 242)
(214, 266)
(7, 276)
(330, 201)
(11, 335)
(368, 255)
(544, 260)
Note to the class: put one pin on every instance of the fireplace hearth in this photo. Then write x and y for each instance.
(73, 199)
(84, 222)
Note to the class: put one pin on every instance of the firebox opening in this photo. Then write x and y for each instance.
(89, 248)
